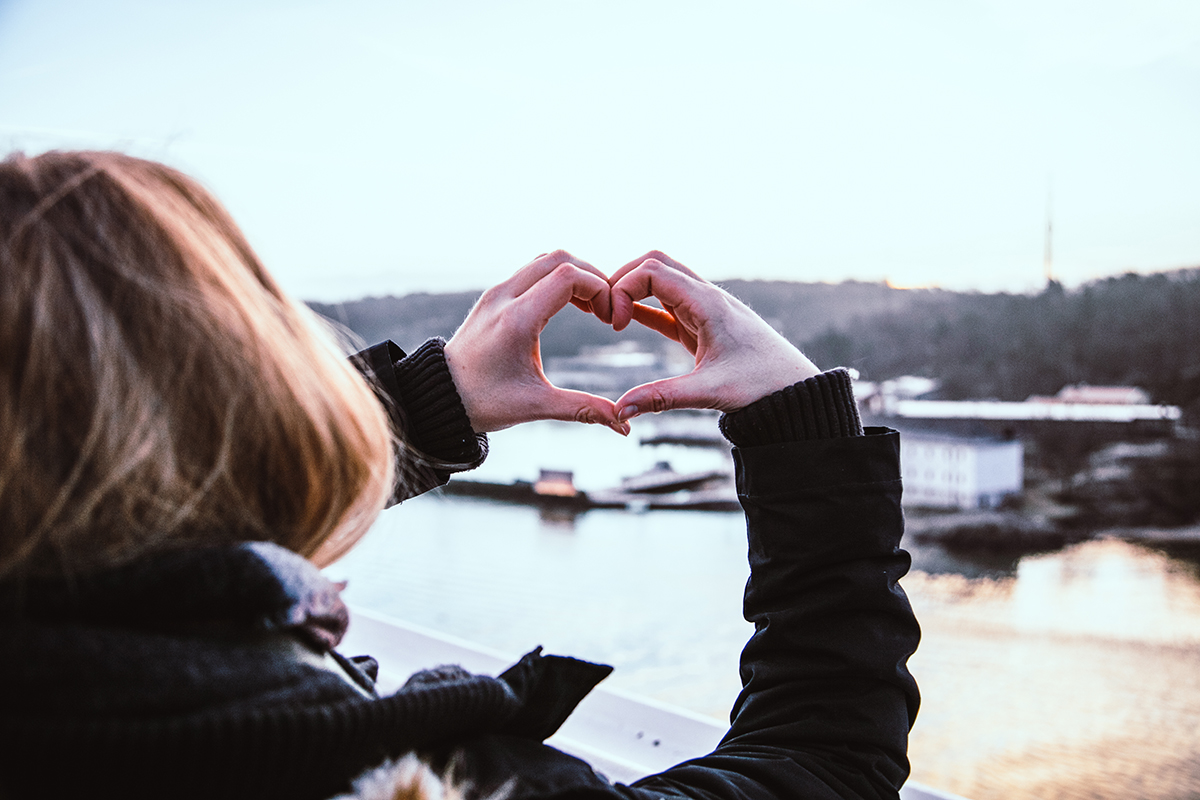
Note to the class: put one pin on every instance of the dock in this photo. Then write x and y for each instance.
(658, 489)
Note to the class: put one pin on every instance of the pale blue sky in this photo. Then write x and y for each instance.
(386, 147)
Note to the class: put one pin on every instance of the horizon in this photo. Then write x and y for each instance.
(1194, 271)
(373, 148)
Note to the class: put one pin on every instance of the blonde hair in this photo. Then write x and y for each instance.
(157, 388)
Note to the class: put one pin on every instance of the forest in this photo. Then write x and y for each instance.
(1141, 330)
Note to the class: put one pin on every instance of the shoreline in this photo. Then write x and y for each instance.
(1013, 533)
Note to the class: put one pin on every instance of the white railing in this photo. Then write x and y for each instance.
(622, 735)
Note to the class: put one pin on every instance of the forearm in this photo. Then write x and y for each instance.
(827, 701)
(824, 673)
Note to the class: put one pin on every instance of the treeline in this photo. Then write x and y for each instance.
(413, 318)
(798, 310)
(1141, 330)
(407, 320)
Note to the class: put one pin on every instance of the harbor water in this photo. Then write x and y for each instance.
(1073, 674)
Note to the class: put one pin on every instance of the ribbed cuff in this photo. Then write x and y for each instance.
(438, 425)
(821, 407)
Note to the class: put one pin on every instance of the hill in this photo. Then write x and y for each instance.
(1133, 329)
(1141, 330)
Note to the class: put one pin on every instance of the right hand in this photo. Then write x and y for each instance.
(739, 357)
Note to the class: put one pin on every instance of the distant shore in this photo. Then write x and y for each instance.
(1010, 532)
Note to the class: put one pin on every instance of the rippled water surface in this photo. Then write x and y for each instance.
(1067, 675)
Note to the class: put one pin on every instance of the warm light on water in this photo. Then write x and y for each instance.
(1079, 677)
(1104, 589)
(1066, 675)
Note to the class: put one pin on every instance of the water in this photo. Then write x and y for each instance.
(1068, 675)
(1077, 677)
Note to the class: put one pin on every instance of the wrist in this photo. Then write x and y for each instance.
(437, 422)
(821, 406)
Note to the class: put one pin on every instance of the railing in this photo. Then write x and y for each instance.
(622, 735)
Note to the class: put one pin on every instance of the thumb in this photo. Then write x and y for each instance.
(573, 406)
(685, 391)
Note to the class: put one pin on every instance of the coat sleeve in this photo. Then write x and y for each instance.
(434, 438)
(827, 700)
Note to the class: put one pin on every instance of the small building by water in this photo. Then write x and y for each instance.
(1113, 413)
(555, 483)
(963, 472)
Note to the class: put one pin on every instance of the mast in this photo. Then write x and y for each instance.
(1048, 256)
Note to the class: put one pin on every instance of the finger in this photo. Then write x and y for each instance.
(565, 283)
(574, 406)
(686, 391)
(651, 278)
(656, 255)
(588, 306)
(656, 319)
(667, 323)
(540, 267)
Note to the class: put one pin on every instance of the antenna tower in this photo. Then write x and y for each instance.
(1048, 257)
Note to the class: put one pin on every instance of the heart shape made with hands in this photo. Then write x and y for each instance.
(495, 356)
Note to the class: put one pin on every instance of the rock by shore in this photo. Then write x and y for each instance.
(992, 532)
(1013, 533)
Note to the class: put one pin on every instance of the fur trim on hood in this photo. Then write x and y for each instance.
(410, 778)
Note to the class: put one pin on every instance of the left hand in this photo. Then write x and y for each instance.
(495, 358)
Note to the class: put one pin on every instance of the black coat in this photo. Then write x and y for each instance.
(208, 673)
(825, 709)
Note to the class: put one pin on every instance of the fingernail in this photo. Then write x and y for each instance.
(627, 412)
(616, 427)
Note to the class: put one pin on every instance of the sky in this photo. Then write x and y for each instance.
(390, 147)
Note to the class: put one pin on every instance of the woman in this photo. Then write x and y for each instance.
(182, 444)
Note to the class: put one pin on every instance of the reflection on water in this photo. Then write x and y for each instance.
(1064, 675)
(937, 561)
(1077, 677)
(1104, 589)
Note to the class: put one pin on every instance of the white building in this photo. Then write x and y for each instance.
(945, 471)
(1097, 395)
(902, 397)
(1030, 410)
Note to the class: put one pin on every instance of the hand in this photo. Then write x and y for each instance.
(495, 359)
(739, 357)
